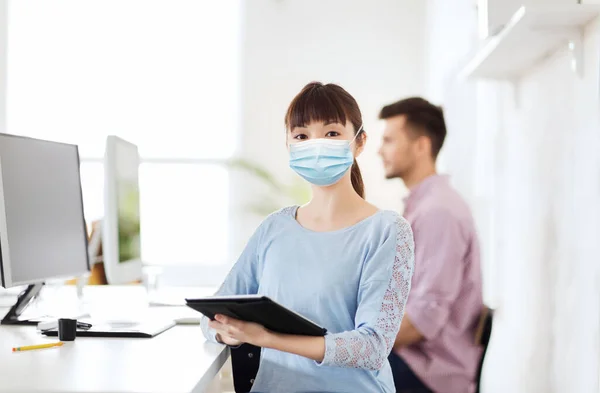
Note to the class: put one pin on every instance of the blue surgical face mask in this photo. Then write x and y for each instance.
(322, 162)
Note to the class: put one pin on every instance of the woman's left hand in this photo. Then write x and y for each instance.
(246, 332)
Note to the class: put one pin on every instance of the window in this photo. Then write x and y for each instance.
(161, 74)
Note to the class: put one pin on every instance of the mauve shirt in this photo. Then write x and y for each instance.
(446, 299)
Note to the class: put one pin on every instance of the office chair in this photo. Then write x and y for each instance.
(244, 364)
(482, 337)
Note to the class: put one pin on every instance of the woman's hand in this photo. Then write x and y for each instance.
(234, 332)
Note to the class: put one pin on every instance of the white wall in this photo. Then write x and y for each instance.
(534, 183)
(3, 41)
(373, 49)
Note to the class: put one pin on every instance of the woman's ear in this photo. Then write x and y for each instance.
(361, 141)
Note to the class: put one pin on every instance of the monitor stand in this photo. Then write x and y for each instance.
(24, 299)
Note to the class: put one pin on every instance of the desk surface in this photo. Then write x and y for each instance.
(178, 360)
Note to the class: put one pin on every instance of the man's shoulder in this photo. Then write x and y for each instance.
(443, 204)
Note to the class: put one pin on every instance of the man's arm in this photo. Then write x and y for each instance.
(439, 252)
(408, 334)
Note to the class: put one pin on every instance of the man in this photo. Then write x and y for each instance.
(434, 350)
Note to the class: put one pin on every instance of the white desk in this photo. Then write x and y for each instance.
(178, 360)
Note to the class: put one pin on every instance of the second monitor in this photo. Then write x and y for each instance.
(121, 233)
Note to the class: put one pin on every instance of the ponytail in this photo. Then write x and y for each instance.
(357, 180)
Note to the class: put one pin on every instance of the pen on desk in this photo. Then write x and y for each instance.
(40, 346)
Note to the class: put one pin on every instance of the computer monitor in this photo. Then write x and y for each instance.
(121, 246)
(42, 228)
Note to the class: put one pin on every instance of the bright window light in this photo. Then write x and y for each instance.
(161, 74)
(185, 220)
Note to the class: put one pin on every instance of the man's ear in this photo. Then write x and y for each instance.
(423, 145)
(361, 141)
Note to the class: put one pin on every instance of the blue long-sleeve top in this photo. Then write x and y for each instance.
(354, 282)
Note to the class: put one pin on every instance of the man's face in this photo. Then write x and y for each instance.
(398, 149)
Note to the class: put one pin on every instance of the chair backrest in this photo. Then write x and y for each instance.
(482, 338)
(244, 364)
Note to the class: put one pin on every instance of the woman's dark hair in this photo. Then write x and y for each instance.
(327, 103)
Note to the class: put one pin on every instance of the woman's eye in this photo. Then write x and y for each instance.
(332, 134)
(300, 137)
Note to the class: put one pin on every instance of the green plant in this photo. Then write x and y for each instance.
(296, 192)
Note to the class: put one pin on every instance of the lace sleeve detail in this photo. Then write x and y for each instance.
(289, 211)
(369, 345)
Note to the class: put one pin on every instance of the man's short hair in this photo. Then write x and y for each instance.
(424, 118)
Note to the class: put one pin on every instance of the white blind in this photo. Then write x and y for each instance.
(161, 74)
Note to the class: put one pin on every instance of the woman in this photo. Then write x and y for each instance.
(337, 260)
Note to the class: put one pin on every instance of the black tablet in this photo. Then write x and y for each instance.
(258, 309)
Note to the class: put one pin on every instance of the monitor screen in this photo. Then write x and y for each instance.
(121, 235)
(42, 227)
(128, 203)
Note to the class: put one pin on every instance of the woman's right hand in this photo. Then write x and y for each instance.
(222, 336)
(235, 332)
(224, 339)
